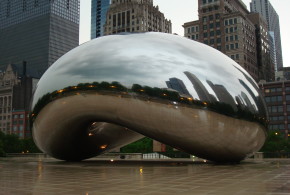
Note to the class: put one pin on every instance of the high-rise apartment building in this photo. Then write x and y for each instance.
(99, 11)
(226, 26)
(135, 16)
(37, 31)
(265, 8)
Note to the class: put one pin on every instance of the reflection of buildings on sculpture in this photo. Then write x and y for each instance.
(135, 16)
(222, 94)
(248, 102)
(15, 94)
(200, 89)
(178, 85)
(230, 28)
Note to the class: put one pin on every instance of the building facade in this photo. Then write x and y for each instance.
(38, 32)
(277, 96)
(265, 63)
(15, 95)
(226, 26)
(265, 8)
(99, 11)
(135, 16)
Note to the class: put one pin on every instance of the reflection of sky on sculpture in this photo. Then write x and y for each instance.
(146, 59)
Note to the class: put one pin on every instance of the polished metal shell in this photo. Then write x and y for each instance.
(113, 90)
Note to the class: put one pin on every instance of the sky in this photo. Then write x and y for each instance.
(182, 11)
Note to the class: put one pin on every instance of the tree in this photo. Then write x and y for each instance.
(276, 143)
(144, 145)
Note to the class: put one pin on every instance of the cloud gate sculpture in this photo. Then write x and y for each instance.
(116, 89)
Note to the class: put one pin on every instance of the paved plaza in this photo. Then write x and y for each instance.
(38, 175)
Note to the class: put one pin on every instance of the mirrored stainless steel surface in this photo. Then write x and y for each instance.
(112, 90)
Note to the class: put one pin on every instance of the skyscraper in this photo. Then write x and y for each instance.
(98, 17)
(265, 8)
(37, 31)
(228, 27)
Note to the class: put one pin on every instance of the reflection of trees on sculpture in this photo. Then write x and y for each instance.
(148, 93)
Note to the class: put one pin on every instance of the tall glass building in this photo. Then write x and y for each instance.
(37, 31)
(265, 8)
(98, 17)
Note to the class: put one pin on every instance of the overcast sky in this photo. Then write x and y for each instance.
(181, 11)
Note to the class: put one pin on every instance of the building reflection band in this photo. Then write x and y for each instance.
(114, 90)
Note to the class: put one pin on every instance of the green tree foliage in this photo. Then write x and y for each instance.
(276, 142)
(144, 145)
(12, 144)
(28, 145)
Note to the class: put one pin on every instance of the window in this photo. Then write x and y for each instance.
(212, 41)
(235, 21)
(204, 34)
(192, 29)
(275, 109)
(210, 17)
(204, 27)
(281, 126)
(237, 46)
(217, 16)
(211, 33)
(218, 32)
